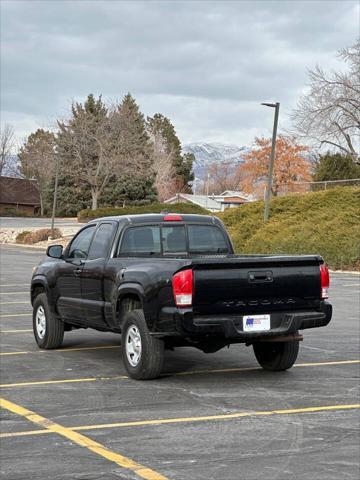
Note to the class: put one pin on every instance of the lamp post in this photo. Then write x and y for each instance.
(55, 194)
(272, 159)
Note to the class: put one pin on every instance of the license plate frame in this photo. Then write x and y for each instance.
(256, 323)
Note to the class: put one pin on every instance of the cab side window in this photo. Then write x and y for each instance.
(141, 240)
(80, 245)
(102, 239)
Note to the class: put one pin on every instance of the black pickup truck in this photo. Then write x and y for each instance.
(169, 280)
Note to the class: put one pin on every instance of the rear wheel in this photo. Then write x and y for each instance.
(276, 356)
(143, 355)
(48, 330)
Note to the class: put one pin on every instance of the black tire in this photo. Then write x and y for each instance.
(52, 335)
(276, 356)
(147, 364)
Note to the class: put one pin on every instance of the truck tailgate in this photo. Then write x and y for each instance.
(263, 284)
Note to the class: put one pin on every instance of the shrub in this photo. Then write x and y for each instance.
(36, 236)
(87, 215)
(325, 223)
(14, 212)
(20, 237)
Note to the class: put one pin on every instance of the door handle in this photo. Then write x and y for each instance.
(77, 272)
(260, 276)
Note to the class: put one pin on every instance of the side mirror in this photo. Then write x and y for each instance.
(54, 251)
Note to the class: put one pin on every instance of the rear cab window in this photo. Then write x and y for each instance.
(167, 240)
(206, 238)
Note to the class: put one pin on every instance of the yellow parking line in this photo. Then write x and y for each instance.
(238, 369)
(15, 331)
(320, 364)
(194, 372)
(70, 380)
(13, 353)
(48, 382)
(76, 349)
(83, 441)
(204, 418)
(5, 315)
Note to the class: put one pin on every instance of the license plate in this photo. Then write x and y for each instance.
(256, 323)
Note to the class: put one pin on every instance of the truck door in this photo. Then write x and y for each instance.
(68, 277)
(92, 276)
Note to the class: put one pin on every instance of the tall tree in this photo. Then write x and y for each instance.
(7, 143)
(83, 144)
(173, 169)
(336, 167)
(37, 159)
(290, 165)
(329, 114)
(130, 144)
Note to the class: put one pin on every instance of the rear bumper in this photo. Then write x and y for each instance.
(183, 322)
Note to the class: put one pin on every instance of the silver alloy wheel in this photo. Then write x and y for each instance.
(40, 322)
(133, 345)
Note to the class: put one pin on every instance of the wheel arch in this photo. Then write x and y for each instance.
(38, 285)
(130, 297)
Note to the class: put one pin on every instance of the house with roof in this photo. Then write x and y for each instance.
(213, 203)
(20, 195)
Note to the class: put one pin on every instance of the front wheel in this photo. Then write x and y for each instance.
(143, 354)
(48, 330)
(276, 356)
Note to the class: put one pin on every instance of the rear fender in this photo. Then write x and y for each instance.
(133, 290)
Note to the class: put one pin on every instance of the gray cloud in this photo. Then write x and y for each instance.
(206, 65)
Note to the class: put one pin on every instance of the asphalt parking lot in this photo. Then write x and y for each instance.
(73, 413)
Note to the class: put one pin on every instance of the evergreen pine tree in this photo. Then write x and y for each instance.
(335, 166)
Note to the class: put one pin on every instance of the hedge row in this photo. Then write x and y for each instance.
(325, 223)
(87, 215)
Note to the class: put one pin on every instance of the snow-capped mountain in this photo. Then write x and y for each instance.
(208, 153)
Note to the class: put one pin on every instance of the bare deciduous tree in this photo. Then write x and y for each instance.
(7, 143)
(37, 157)
(221, 176)
(165, 172)
(329, 114)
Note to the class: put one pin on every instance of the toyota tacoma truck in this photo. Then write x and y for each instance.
(166, 280)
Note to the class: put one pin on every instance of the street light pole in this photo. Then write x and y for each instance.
(55, 195)
(272, 159)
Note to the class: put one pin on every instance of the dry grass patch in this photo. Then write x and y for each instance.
(35, 236)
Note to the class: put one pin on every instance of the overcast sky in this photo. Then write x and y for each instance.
(205, 65)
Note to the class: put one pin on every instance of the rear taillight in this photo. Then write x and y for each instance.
(182, 283)
(324, 281)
